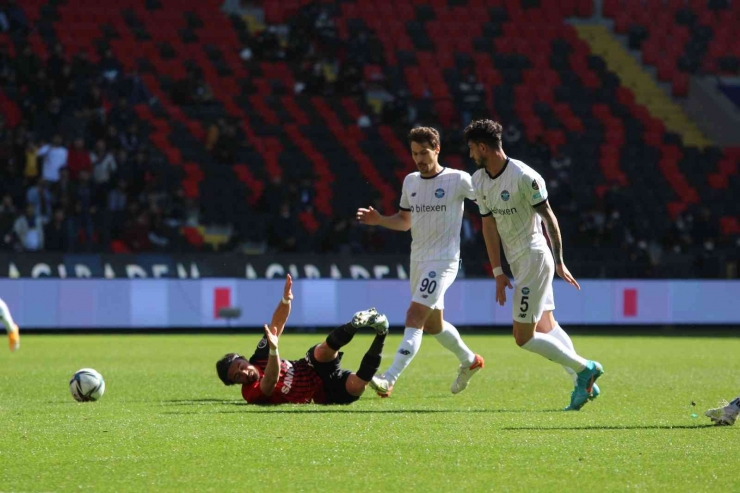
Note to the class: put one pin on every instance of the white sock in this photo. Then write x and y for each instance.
(450, 339)
(558, 333)
(6, 318)
(554, 350)
(406, 352)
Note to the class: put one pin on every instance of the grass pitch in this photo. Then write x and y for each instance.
(166, 423)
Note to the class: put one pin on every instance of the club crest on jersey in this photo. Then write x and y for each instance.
(505, 195)
(525, 291)
(432, 275)
(439, 193)
(535, 185)
(413, 194)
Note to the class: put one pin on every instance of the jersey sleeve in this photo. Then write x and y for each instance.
(261, 352)
(466, 187)
(253, 394)
(532, 187)
(482, 208)
(405, 205)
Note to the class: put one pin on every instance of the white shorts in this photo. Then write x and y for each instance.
(533, 296)
(430, 280)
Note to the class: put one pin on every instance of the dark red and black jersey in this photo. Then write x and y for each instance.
(298, 382)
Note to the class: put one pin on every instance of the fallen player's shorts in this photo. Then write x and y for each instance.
(533, 295)
(334, 379)
(430, 280)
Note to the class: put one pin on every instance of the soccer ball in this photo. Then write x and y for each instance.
(87, 385)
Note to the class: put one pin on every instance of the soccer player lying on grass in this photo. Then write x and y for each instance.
(318, 378)
(14, 337)
(726, 414)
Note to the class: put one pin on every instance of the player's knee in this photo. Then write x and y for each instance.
(416, 315)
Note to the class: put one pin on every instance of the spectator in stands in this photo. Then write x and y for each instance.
(57, 233)
(27, 65)
(39, 197)
(109, 67)
(103, 163)
(8, 215)
(29, 231)
(54, 158)
(31, 162)
(283, 230)
(121, 116)
(136, 235)
(78, 159)
(130, 140)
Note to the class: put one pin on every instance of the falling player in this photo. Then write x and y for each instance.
(513, 202)
(317, 378)
(432, 204)
(14, 336)
(726, 414)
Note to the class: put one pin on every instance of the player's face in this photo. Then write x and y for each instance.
(425, 157)
(242, 372)
(478, 153)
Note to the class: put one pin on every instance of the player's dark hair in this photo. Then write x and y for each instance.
(223, 365)
(484, 132)
(424, 135)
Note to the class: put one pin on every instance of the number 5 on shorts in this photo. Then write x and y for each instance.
(525, 305)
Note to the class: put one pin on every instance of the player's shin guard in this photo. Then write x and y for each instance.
(341, 336)
(371, 360)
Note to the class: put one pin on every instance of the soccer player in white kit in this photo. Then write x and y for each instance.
(512, 198)
(432, 204)
(14, 337)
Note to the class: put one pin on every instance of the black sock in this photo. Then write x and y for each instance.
(341, 336)
(371, 360)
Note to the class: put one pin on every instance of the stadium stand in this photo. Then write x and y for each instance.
(271, 129)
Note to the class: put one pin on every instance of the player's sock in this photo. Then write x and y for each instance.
(406, 352)
(558, 333)
(450, 339)
(371, 361)
(554, 350)
(341, 336)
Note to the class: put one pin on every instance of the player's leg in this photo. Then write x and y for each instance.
(725, 414)
(14, 337)
(533, 275)
(357, 382)
(548, 325)
(341, 336)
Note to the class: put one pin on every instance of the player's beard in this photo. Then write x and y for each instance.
(425, 167)
(480, 163)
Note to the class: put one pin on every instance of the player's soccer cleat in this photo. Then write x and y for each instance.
(466, 373)
(14, 338)
(724, 415)
(371, 318)
(594, 393)
(584, 390)
(381, 386)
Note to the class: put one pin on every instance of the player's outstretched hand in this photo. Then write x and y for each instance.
(563, 272)
(502, 282)
(370, 216)
(272, 336)
(288, 288)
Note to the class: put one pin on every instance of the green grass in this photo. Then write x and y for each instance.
(166, 423)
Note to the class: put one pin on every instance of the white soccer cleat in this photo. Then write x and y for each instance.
(466, 373)
(381, 385)
(371, 318)
(724, 415)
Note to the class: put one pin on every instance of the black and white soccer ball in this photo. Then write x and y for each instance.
(87, 385)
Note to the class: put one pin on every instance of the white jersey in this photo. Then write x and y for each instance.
(511, 197)
(436, 204)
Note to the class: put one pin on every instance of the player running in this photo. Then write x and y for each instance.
(513, 202)
(726, 414)
(14, 336)
(432, 204)
(318, 378)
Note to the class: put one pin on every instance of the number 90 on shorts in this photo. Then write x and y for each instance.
(430, 280)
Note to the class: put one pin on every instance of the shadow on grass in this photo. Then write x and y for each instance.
(346, 409)
(613, 427)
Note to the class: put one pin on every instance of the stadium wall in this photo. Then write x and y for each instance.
(171, 303)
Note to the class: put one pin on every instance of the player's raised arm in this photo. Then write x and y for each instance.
(493, 247)
(282, 312)
(556, 242)
(401, 221)
(272, 370)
